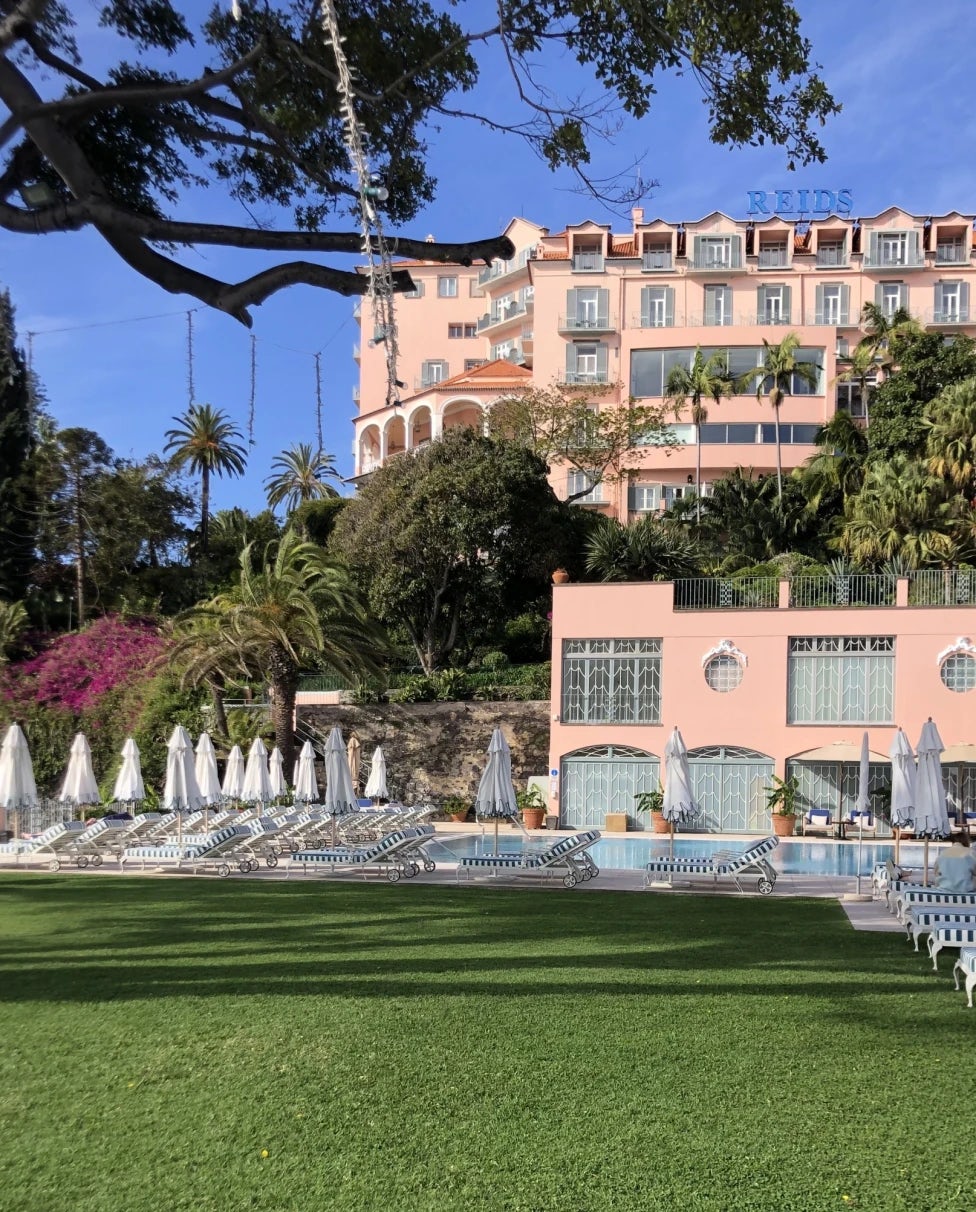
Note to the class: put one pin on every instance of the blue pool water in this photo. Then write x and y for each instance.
(789, 858)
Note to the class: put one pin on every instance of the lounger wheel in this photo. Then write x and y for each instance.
(765, 886)
(223, 870)
(54, 865)
(96, 860)
(81, 860)
(414, 869)
(393, 874)
(430, 865)
(295, 848)
(272, 860)
(570, 880)
(244, 866)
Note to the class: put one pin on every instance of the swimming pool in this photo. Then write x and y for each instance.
(790, 857)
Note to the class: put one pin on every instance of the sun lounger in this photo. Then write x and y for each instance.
(965, 966)
(916, 895)
(958, 935)
(104, 839)
(54, 843)
(391, 856)
(752, 861)
(923, 921)
(567, 858)
(215, 851)
(818, 821)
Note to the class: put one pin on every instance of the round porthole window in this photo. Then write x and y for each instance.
(723, 673)
(958, 672)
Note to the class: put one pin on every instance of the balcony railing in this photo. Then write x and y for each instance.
(577, 323)
(781, 317)
(501, 269)
(582, 378)
(846, 589)
(942, 587)
(502, 315)
(588, 263)
(951, 254)
(893, 260)
(950, 315)
(772, 258)
(657, 260)
(734, 593)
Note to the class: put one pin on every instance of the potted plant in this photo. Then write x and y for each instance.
(560, 576)
(782, 796)
(652, 802)
(456, 807)
(532, 806)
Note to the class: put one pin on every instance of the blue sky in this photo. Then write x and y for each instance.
(901, 70)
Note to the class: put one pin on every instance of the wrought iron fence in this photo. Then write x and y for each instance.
(942, 587)
(844, 589)
(733, 593)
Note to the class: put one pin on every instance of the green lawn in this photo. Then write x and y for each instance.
(194, 1044)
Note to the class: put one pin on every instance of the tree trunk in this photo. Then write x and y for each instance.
(698, 473)
(204, 509)
(79, 553)
(779, 455)
(220, 712)
(283, 677)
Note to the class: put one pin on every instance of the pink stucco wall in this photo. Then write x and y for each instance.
(754, 715)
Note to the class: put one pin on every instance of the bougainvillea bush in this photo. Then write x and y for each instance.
(95, 681)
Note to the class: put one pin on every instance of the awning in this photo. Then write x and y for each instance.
(954, 754)
(839, 751)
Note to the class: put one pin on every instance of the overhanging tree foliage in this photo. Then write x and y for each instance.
(251, 107)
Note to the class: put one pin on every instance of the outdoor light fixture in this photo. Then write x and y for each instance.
(37, 194)
(376, 189)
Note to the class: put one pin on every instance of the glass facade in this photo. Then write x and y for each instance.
(649, 368)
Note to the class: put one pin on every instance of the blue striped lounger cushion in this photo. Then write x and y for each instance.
(950, 936)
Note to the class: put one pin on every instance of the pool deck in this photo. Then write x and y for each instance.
(863, 913)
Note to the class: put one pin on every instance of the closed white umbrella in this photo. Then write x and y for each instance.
(181, 792)
(375, 788)
(276, 773)
(129, 787)
(79, 786)
(257, 782)
(679, 803)
(863, 800)
(931, 815)
(208, 778)
(902, 811)
(306, 782)
(339, 795)
(233, 784)
(496, 797)
(17, 787)
(353, 754)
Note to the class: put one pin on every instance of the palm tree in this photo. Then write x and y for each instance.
(13, 620)
(880, 327)
(290, 606)
(301, 476)
(861, 367)
(838, 467)
(901, 512)
(707, 379)
(646, 550)
(206, 441)
(951, 441)
(780, 367)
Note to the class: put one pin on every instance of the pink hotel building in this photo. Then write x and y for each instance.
(782, 678)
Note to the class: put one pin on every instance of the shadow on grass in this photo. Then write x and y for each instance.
(96, 939)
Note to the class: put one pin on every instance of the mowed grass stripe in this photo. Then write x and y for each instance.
(424, 1047)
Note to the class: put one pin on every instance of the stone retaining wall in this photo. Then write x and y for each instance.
(438, 749)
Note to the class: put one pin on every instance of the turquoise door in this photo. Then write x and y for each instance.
(602, 779)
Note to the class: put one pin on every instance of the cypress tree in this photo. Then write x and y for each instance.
(18, 497)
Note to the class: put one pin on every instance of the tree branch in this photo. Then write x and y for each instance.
(16, 24)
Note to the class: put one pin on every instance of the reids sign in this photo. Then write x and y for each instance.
(800, 201)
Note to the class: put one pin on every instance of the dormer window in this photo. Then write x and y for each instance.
(772, 254)
(831, 251)
(893, 250)
(717, 252)
(657, 255)
(588, 256)
(949, 250)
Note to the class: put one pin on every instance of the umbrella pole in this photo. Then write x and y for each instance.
(671, 841)
(496, 834)
(897, 846)
(333, 830)
(925, 865)
(860, 841)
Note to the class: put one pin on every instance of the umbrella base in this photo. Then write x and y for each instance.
(857, 896)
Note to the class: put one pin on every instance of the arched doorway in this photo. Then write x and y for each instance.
(602, 779)
(729, 784)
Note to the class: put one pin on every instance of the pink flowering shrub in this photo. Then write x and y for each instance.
(79, 670)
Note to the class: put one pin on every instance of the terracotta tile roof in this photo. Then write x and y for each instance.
(622, 246)
(552, 254)
(492, 376)
(801, 243)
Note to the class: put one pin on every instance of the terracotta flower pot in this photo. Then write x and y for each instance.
(560, 576)
(784, 826)
(532, 818)
(658, 823)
